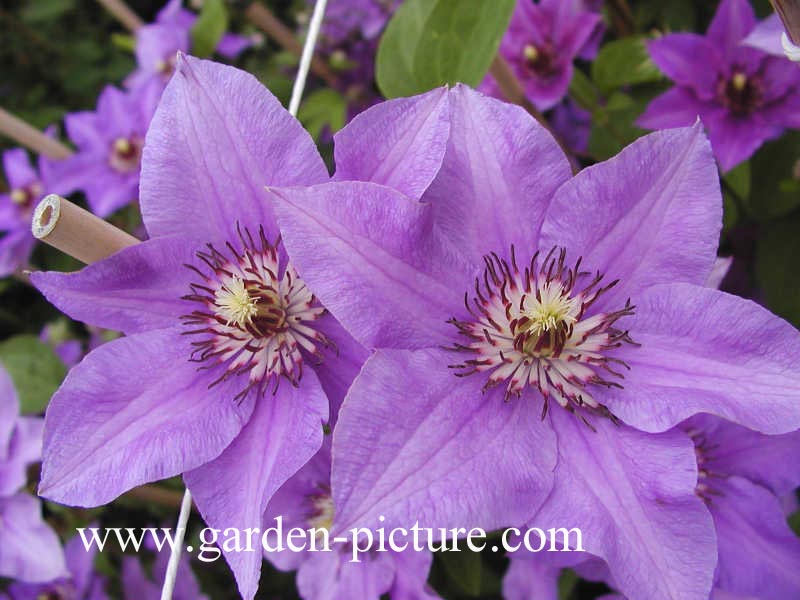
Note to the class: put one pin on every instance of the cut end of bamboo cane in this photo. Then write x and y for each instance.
(46, 216)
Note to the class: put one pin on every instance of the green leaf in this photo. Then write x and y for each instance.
(123, 41)
(209, 28)
(794, 522)
(429, 43)
(582, 90)
(36, 11)
(776, 185)
(777, 267)
(35, 369)
(566, 583)
(736, 185)
(613, 125)
(325, 107)
(465, 569)
(624, 62)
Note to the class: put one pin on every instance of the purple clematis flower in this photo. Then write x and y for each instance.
(230, 45)
(743, 96)
(537, 335)
(305, 501)
(110, 141)
(542, 42)
(742, 476)
(27, 186)
(81, 584)
(158, 43)
(29, 549)
(229, 362)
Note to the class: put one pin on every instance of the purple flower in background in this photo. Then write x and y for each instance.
(578, 326)
(110, 141)
(349, 40)
(136, 585)
(305, 501)
(543, 40)
(572, 124)
(82, 583)
(173, 14)
(229, 362)
(27, 186)
(158, 43)
(157, 46)
(743, 96)
(29, 549)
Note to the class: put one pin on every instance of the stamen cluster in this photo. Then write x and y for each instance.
(531, 328)
(254, 316)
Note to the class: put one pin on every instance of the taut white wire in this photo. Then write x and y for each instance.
(308, 53)
(177, 546)
(294, 104)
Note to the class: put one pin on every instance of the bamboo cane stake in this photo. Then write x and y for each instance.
(30, 137)
(77, 232)
(123, 13)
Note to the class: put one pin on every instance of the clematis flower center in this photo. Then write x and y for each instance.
(322, 512)
(25, 197)
(126, 153)
(530, 328)
(540, 60)
(166, 66)
(706, 475)
(255, 313)
(740, 93)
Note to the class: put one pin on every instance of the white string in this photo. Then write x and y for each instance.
(294, 104)
(305, 58)
(177, 546)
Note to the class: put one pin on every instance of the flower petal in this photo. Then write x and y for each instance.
(410, 431)
(29, 549)
(749, 454)
(706, 351)
(218, 137)
(632, 496)
(499, 175)
(233, 490)
(9, 410)
(677, 107)
(382, 273)
(733, 21)
(399, 143)
(135, 290)
(24, 449)
(651, 214)
(758, 552)
(135, 410)
(676, 55)
(330, 576)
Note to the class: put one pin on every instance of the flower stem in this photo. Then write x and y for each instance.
(30, 137)
(123, 13)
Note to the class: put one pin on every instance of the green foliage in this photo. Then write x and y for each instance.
(209, 28)
(35, 369)
(613, 125)
(429, 43)
(624, 62)
(324, 108)
(776, 178)
(777, 267)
